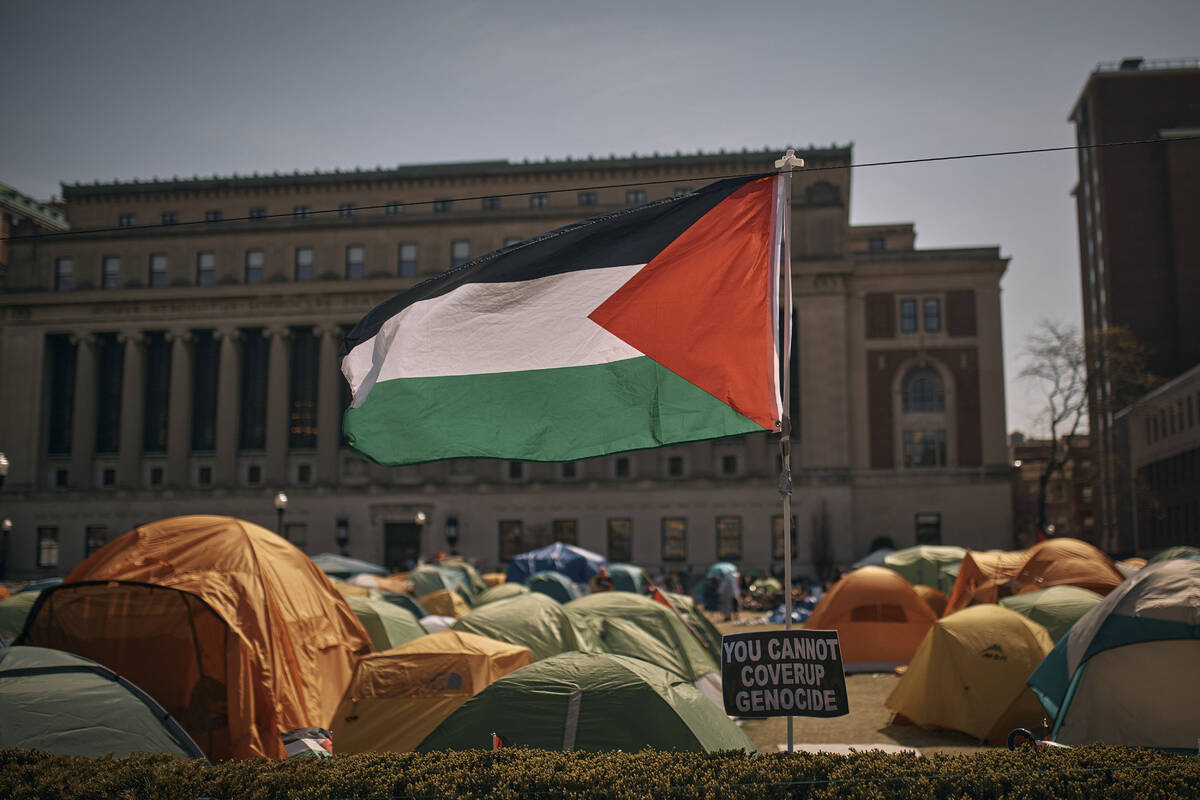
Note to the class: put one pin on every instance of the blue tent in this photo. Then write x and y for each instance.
(576, 563)
(344, 566)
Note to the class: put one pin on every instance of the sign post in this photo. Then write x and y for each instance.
(783, 674)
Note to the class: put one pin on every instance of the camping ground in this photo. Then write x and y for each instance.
(868, 723)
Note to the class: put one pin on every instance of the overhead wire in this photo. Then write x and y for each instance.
(583, 165)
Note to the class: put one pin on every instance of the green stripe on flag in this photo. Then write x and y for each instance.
(536, 415)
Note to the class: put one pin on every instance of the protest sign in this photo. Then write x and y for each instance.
(783, 674)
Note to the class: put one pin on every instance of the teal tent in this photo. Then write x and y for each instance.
(1056, 608)
(1125, 674)
(593, 702)
(531, 620)
(628, 578)
(13, 611)
(388, 625)
(1179, 551)
(72, 706)
(922, 565)
(342, 567)
(501, 591)
(553, 584)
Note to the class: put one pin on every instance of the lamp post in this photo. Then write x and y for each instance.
(280, 507)
(452, 534)
(5, 526)
(3, 469)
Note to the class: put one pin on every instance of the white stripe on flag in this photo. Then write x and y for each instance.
(483, 328)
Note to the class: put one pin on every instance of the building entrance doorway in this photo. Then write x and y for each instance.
(401, 545)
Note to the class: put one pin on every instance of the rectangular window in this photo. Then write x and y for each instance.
(460, 252)
(675, 467)
(108, 477)
(933, 315)
(491, 203)
(206, 268)
(729, 465)
(587, 198)
(157, 393)
(158, 269)
(875, 244)
(355, 261)
(406, 264)
(621, 467)
(729, 538)
(346, 210)
(64, 274)
(110, 272)
(254, 474)
(442, 206)
(569, 470)
(674, 539)
(170, 218)
(925, 448)
(204, 476)
(777, 537)
(62, 392)
(304, 264)
(928, 527)
(512, 539)
(620, 540)
(516, 470)
(206, 361)
(393, 208)
(539, 200)
(61, 478)
(304, 473)
(296, 533)
(302, 419)
(110, 369)
(252, 434)
(156, 476)
(258, 213)
(908, 316)
(254, 266)
(213, 215)
(94, 537)
(635, 197)
(566, 531)
(47, 555)
(302, 212)
(125, 221)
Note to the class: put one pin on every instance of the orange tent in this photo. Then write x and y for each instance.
(986, 577)
(399, 696)
(494, 578)
(880, 620)
(936, 598)
(4, 592)
(228, 626)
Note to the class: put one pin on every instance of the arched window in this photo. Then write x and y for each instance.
(923, 391)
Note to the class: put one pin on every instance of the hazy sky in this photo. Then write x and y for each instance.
(103, 90)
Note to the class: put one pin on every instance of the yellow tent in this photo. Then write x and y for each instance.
(231, 628)
(969, 674)
(445, 603)
(397, 697)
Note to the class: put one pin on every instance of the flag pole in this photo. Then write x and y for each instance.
(783, 229)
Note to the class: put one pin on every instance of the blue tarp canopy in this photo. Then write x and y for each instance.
(720, 569)
(576, 563)
(343, 566)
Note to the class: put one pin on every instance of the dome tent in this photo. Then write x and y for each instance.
(880, 620)
(687, 607)
(969, 674)
(629, 578)
(1056, 608)
(553, 584)
(421, 683)
(922, 565)
(590, 701)
(13, 613)
(71, 706)
(501, 591)
(388, 625)
(577, 564)
(531, 620)
(1126, 672)
(343, 567)
(238, 634)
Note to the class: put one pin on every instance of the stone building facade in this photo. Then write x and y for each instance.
(177, 354)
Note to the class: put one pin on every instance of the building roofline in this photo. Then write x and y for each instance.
(834, 152)
(43, 214)
(1132, 67)
(1157, 391)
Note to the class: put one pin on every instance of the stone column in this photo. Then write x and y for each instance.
(83, 425)
(229, 398)
(179, 415)
(278, 405)
(133, 398)
(329, 411)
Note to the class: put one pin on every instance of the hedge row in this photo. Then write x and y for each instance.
(1086, 772)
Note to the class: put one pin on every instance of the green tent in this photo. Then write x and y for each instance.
(1056, 608)
(428, 579)
(1178, 551)
(553, 584)
(531, 620)
(686, 605)
(342, 567)
(590, 701)
(501, 592)
(71, 706)
(632, 625)
(13, 611)
(947, 575)
(922, 565)
(628, 578)
(475, 581)
(388, 625)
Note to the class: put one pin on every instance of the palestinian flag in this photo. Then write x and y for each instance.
(640, 328)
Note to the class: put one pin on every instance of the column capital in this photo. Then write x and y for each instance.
(331, 329)
(83, 337)
(232, 334)
(131, 337)
(179, 335)
(281, 332)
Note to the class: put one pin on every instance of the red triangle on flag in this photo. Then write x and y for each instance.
(702, 307)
